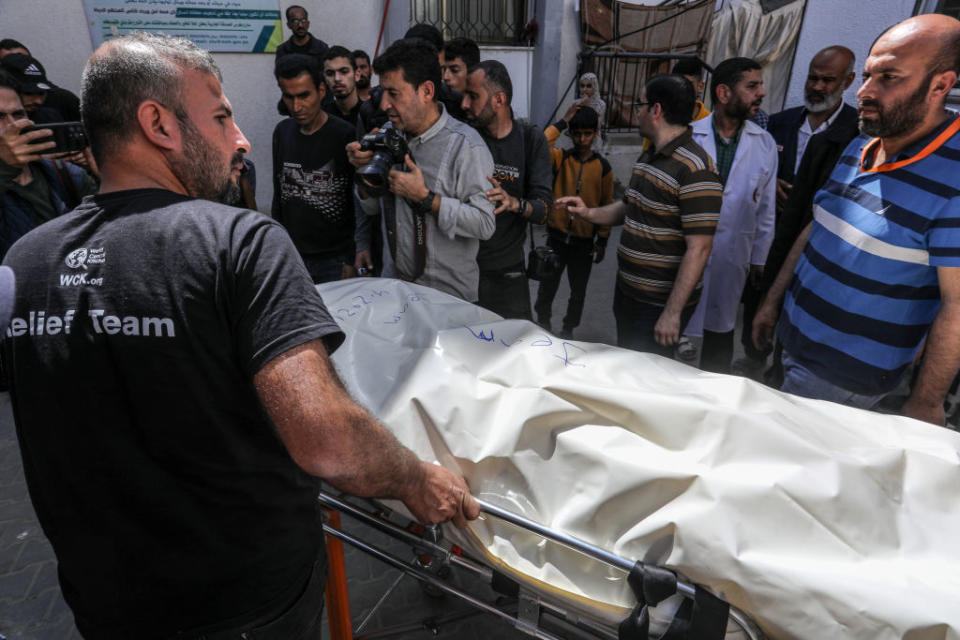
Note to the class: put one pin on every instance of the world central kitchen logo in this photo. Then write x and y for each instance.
(83, 258)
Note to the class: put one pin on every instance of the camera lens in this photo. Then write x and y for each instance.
(375, 174)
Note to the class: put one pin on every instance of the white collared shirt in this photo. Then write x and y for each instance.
(804, 133)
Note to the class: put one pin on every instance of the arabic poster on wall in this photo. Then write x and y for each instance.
(251, 26)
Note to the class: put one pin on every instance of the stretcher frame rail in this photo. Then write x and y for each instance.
(433, 547)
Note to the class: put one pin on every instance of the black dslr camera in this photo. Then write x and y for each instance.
(389, 148)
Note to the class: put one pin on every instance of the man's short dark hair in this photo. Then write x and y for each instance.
(496, 77)
(291, 8)
(688, 67)
(427, 32)
(8, 81)
(360, 53)
(293, 64)
(337, 51)
(463, 48)
(586, 118)
(674, 94)
(127, 71)
(730, 72)
(10, 43)
(416, 58)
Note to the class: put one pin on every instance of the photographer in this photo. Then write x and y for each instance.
(33, 189)
(439, 212)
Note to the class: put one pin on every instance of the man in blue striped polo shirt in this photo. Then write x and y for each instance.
(877, 274)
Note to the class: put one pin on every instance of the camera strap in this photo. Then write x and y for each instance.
(390, 220)
(419, 244)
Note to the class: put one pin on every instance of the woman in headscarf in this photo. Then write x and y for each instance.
(590, 95)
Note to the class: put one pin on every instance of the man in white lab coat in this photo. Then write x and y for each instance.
(746, 159)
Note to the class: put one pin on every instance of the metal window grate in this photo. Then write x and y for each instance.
(621, 76)
(485, 21)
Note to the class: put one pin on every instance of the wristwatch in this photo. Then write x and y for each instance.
(523, 207)
(424, 206)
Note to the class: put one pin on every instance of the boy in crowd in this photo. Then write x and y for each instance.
(582, 172)
(459, 55)
(340, 73)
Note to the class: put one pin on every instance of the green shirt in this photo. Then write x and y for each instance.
(36, 192)
(726, 150)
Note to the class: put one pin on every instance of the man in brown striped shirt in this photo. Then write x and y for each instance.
(669, 215)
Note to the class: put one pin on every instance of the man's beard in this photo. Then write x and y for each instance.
(829, 101)
(363, 82)
(900, 117)
(740, 109)
(201, 171)
(483, 119)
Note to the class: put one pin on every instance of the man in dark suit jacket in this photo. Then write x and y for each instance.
(830, 74)
(823, 112)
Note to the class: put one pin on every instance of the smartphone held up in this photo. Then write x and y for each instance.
(69, 137)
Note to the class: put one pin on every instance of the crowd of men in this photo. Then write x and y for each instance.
(197, 323)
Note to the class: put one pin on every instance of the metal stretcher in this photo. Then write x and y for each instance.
(819, 520)
(701, 615)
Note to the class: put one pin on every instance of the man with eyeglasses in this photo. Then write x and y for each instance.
(302, 41)
(669, 212)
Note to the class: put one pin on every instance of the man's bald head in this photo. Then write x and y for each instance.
(935, 35)
(907, 77)
(836, 55)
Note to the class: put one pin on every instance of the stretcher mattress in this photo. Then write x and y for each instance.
(819, 520)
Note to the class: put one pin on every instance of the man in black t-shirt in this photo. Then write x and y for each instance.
(312, 179)
(301, 40)
(341, 75)
(521, 188)
(364, 73)
(172, 393)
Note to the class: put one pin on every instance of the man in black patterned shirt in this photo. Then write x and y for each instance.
(312, 179)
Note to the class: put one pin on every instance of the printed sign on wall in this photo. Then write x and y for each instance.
(216, 25)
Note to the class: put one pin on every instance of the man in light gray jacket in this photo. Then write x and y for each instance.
(438, 212)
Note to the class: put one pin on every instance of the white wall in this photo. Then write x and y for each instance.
(853, 24)
(56, 33)
(570, 47)
(519, 64)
